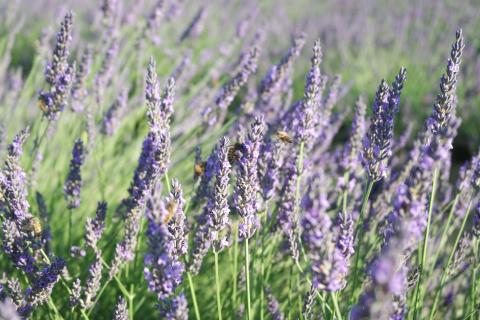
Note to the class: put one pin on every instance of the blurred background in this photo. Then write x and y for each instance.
(363, 41)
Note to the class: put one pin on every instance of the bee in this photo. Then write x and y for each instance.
(199, 169)
(233, 150)
(44, 101)
(42, 105)
(171, 208)
(33, 225)
(284, 137)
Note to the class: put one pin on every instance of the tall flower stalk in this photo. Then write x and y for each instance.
(152, 163)
(220, 209)
(245, 197)
(73, 183)
(377, 148)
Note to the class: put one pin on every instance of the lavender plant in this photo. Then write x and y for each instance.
(292, 200)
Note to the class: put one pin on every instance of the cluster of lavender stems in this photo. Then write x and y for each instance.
(19, 243)
(58, 73)
(152, 163)
(362, 230)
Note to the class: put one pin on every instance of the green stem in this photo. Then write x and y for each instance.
(290, 289)
(359, 231)
(130, 304)
(262, 264)
(423, 252)
(473, 287)
(217, 283)
(247, 275)
(447, 264)
(338, 314)
(235, 266)
(167, 181)
(444, 235)
(54, 308)
(194, 297)
(70, 223)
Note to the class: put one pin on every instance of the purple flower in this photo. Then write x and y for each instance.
(286, 204)
(94, 227)
(205, 187)
(306, 115)
(73, 183)
(329, 249)
(112, 116)
(444, 106)
(353, 149)
(246, 188)
(378, 141)
(476, 221)
(121, 310)
(219, 209)
(269, 165)
(105, 74)
(389, 278)
(109, 9)
(13, 180)
(59, 63)
(230, 89)
(167, 245)
(152, 163)
(202, 240)
(58, 74)
(93, 283)
(176, 309)
(274, 307)
(42, 285)
(195, 27)
(277, 75)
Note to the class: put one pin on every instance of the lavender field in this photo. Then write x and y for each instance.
(180, 159)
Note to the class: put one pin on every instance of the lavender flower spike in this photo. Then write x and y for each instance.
(93, 282)
(444, 106)
(156, 146)
(73, 184)
(246, 189)
(121, 310)
(377, 143)
(357, 133)
(94, 227)
(329, 263)
(275, 77)
(13, 181)
(388, 279)
(274, 307)
(58, 74)
(220, 209)
(310, 97)
(59, 63)
(231, 88)
(166, 246)
(111, 119)
(152, 163)
(43, 284)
